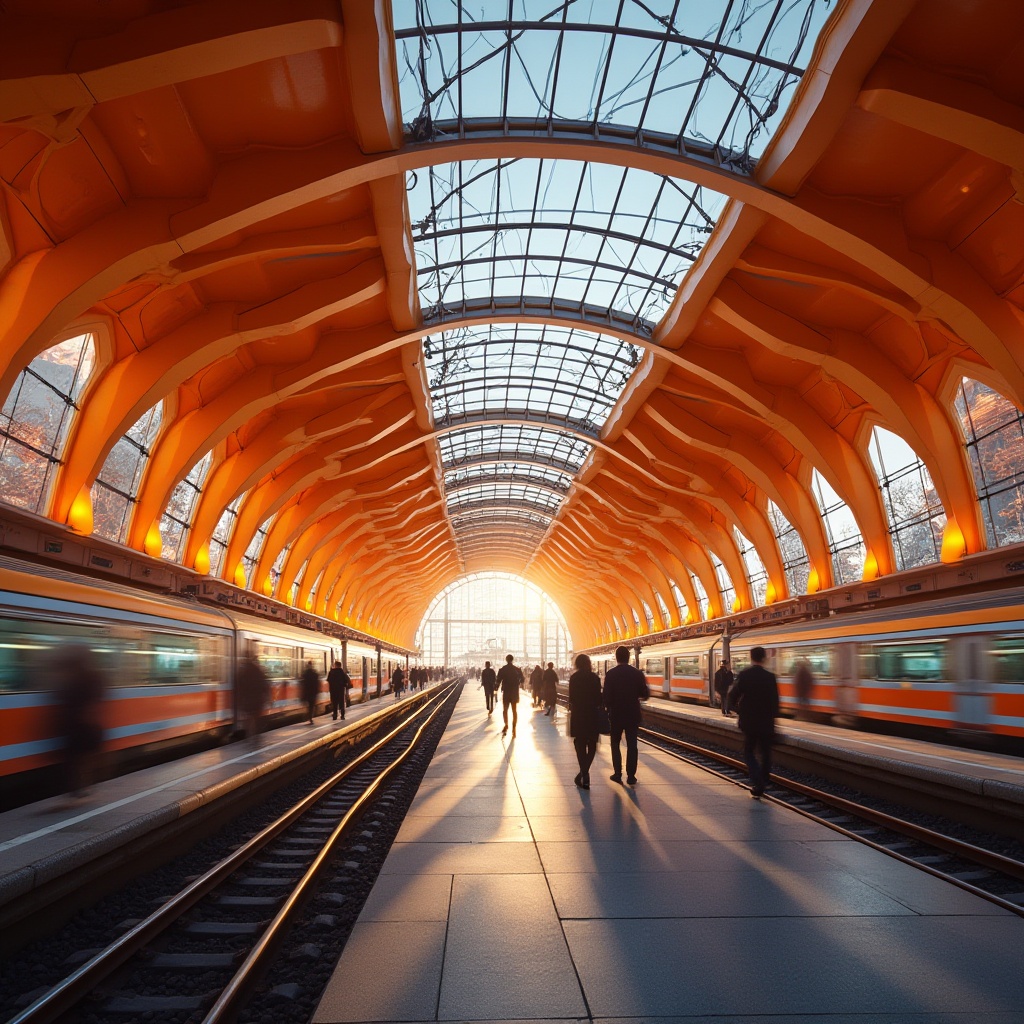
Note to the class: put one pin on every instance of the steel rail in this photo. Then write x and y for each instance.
(71, 990)
(984, 858)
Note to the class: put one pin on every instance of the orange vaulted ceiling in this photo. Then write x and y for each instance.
(218, 192)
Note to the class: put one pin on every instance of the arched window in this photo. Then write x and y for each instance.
(795, 563)
(845, 542)
(703, 606)
(916, 516)
(757, 574)
(649, 616)
(222, 535)
(993, 430)
(666, 615)
(681, 605)
(37, 417)
(177, 518)
(724, 583)
(252, 555)
(115, 490)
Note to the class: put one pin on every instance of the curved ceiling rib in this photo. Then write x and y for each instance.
(417, 294)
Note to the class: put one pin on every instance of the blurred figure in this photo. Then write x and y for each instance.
(803, 687)
(397, 682)
(253, 688)
(624, 687)
(510, 678)
(309, 689)
(80, 686)
(536, 684)
(584, 726)
(723, 684)
(756, 696)
(489, 681)
(549, 684)
(338, 683)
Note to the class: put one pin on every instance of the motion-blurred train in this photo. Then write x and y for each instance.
(168, 664)
(953, 665)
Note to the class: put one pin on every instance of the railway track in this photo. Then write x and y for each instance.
(201, 953)
(983, 872)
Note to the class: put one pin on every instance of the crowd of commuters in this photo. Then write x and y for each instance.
(614, 708)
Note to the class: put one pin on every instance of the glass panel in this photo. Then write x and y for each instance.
(702, 597)
(545, 372)
(1007, 654)
(117, 485)
(561, 231)
(993, 430)
(716, 71)
(177, 517)
(916, 516)
(757, 575)
(795, 562)
(686, 667)
(221, 537)
(36, 418)
(724, 583)
(844, 538)
(920, 662)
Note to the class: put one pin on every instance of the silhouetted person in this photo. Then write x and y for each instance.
(723, 683)
(624, 687)
(536, 684)
(253, 688)
(549, 686)
(338, 683)
(80, 686)
(584, 728)
(397, 682)
(309, 689)
(755, 695)
(510, 678)
(803, 687)
(489, 681)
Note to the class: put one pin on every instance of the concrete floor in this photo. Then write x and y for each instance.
(511, 895)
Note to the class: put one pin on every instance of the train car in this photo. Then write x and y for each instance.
(166, 664)
(946, 665)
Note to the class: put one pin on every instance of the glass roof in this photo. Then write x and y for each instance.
(578, 241)
(716, 74)
(573, 234)
(542, 372)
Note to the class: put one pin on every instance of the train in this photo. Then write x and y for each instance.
(950, 666)
(167, 662)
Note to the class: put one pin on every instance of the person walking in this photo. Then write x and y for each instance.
(756, 697)
(338, 683)
(549, 686)
(536, 685)
(624, 688)
(397, 682)
(309, 689)
(510, 678)
(584, 728)
(253, 688)
(723, 683)
(489, 681)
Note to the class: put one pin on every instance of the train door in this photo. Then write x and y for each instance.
(847, 673)
(971, 699)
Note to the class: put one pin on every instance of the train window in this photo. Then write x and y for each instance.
(654, 666)
(29, 651)
(819, 660)
(178, 659)
(924, 662)
(277, 661)
(318, 656)
(687, 667)
(1007, 654)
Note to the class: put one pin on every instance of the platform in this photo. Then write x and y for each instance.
(509, 895)
(43, 842)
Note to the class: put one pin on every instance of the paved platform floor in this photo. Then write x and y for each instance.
(510, 895)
